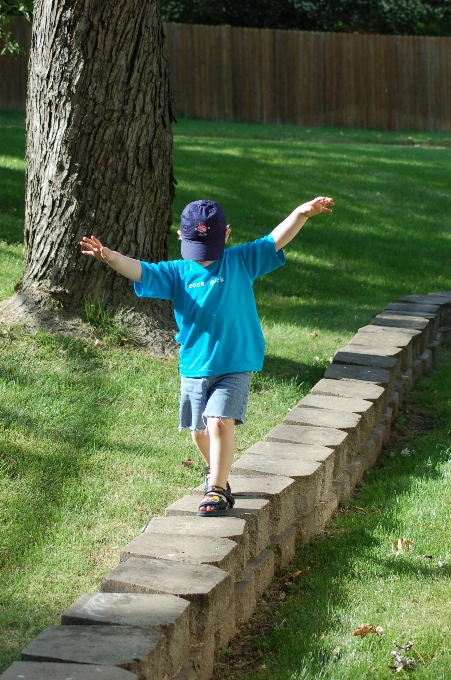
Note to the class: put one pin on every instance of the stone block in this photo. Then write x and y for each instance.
(205, 587)
(353, 389)
(219, 552)
(342, 487)
(397, 337)
(35, 670)
(417, 370)
(376, 340)
(307, 475)
(401, 321)
(400, 389)
(306, 527)
(187, 672)
(369, 454)
(278, 490)
(245, 599)
(434, 348)
(379, 376)
(388, 359)
(202, 659)
(311, 467)
(352, 423)
(233, 528)
(133, 649)
(283, 546)
(325, 509)
(378, 436)
(365, 408)
(386, 422)
(393, 402)
(165, 614)
(407, 379)
(355, 470)
(254, 511)
(227, 631)
(317, 437)
(415, 309)
(263, 569)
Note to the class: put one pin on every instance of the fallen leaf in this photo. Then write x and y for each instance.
(290, 577)
(406, 647)
(314, 334)
(428, 557)
(377, 511)
(187, 462)
(402, 663)
(399, 545)
(357, 509)
(323, 635)
(336, 650)
(367, 628)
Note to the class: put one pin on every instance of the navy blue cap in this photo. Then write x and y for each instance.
(203, 226)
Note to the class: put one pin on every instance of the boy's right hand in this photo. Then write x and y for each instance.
(95, 249)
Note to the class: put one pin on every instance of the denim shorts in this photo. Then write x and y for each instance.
(220, 396)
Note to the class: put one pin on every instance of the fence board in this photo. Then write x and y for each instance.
(303, 78)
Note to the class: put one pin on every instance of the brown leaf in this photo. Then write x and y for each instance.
(290, 577)
(357, 509)
(314, 334)
(187, 462)
(367, 628)
(399, 545)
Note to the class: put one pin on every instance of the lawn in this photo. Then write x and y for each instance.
(88, 433)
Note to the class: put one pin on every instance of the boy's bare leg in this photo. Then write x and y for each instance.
(222, 451)
(201, 439)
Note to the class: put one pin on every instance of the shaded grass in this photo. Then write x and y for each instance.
(354, 576)
(88, 437)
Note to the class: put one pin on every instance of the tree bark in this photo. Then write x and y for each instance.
(99, 160)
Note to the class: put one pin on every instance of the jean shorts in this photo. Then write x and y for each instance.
(220, 396)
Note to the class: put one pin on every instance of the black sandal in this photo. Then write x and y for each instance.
(218, 498)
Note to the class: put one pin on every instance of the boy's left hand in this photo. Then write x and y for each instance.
(318, 205)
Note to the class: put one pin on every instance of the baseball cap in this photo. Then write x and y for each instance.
(203, 227)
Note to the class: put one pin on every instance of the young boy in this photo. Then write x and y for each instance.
(219, 330)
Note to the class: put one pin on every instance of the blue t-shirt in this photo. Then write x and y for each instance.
(214, 307)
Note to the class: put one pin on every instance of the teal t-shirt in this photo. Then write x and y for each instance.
(214, 307)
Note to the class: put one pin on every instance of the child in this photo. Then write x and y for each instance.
(219, 330)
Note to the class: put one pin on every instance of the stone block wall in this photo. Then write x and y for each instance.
(183, 586)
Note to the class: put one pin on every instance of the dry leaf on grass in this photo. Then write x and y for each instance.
(357, 509)
(290, 577)
(402, 663)
(367, 628)
(337, 650)
(187, 462)
(399, 545)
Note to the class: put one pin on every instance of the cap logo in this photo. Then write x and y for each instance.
(202, 228)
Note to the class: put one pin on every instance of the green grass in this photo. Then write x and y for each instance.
(88, 436)
(354, 576)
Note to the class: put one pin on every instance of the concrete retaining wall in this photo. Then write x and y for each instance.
(183, 587)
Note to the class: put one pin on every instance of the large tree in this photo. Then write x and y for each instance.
(99, 160)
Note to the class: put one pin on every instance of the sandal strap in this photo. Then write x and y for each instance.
(219, 490)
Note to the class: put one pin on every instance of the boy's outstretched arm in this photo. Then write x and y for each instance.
(126, 266)
(288, 229)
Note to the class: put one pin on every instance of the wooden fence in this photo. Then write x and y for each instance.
(313, 79)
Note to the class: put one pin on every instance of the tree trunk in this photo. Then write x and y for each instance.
(99, 161)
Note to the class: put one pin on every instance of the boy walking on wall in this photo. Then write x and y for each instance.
(219, 329)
